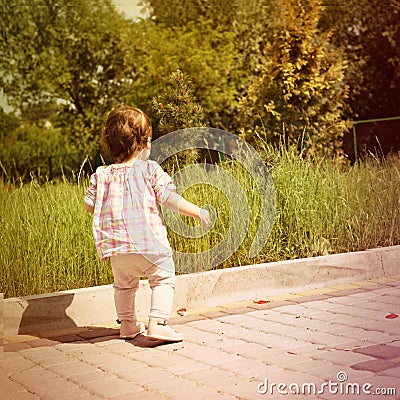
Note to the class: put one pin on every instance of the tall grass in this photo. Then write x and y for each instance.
(46, 241)
(322, 207)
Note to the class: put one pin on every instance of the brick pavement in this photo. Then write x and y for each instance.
(337, 342)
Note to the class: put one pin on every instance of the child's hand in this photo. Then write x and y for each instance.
(205, 217)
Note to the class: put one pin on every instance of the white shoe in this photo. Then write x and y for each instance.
(160, 330)
(131, 329)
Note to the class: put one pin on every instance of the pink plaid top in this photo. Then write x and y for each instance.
(127, 208)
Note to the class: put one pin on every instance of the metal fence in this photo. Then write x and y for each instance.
(385, 138)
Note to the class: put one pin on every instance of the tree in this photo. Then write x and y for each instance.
(239, 31)
(174, 13)
(204, 54)
(30, 150)
(300, 94)
(67, 55)
(176, 107)
(368, 31)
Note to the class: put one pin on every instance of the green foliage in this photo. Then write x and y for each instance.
(68, 54)
(300, 94)
(200, 51)
(368, 31)
(29, 150)
(176, 107)
(239, 31)
(8, 123)
(174, 13)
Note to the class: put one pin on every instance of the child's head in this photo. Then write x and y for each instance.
(126, 132)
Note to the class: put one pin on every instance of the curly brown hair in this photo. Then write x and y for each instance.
(125, 132)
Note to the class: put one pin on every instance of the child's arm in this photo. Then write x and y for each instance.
(90, 194)
(177, 203)
(89, 208)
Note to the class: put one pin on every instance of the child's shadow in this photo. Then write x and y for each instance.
(52, 319)
(42, 316)
(140, 340)
(144, 341)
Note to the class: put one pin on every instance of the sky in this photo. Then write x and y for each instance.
(129, 8)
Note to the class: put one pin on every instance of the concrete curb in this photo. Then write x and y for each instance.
(81, 307)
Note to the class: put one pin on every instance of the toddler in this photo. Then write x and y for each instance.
(125, 199)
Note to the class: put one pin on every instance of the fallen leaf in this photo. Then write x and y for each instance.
(261, 301)
(182, 312)
(391, 316)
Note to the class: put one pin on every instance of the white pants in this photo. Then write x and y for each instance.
(127, 270)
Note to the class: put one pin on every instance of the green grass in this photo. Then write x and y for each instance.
(321, 208)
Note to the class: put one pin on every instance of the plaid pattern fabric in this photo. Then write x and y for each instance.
(127, 208)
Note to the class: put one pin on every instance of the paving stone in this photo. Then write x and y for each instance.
(340, 357)
(322, 338)
(90, 396)
(246, 321)
(226, 382)
(8, 387)
(67, 338)
(183, 366)
(61, 390)
(109, 361)
(39, 384)
(112, 387)
(17, 365)
(98, 332)
(382, 351)
(74, 368)
(374, 306)
(198, 336)
(251, 368)
(277, 328)
(55, 360)
(40, 353)
(338, 329)
(237, 311)
(14, 347)
(144, 395)
(282, 358)
(377, 365)
(196, 392)
(305, 349)
(144, 375)
(358, 311)
(394, 372)
(249, 350)
(386, 384)
(21, 396)
(306, 299)
(42, 343)
(210, 356)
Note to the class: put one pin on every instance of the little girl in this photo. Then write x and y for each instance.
(125, 199)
